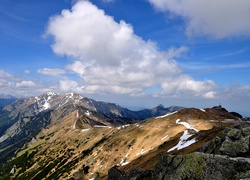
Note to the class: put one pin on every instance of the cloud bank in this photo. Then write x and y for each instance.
(110, 58)
(216, 18)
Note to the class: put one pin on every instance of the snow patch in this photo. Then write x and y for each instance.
(214, 121)
(123, 161)
(87, 113)
(183, 141)
(74, 125)
(77, 113)
(203, 110)
(46, 105)
(51, 94)
(168, 114)
(143, 151)
(98, 126)
(164, 137)
(123, 126)
(139, 126)
(187, 125)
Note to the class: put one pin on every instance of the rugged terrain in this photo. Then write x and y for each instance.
(224, 157)
(24, 119)
(85, 139)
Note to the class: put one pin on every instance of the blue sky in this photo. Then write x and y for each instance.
(134, 53)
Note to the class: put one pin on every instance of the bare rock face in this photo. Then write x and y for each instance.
(234, 134)
(246, 131)
(233, 142)
(190, 166)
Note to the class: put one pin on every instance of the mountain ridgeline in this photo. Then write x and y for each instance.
(25, 118)
(74, 137)
(6, 99)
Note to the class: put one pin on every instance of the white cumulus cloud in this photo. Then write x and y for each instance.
(25, 84)
(109, 57)
(216, 18)
(210, 95)
(51, 72)
(69, 86)
(4, 74)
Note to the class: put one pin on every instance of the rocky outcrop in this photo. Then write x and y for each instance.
(190, 166)
(233, 141)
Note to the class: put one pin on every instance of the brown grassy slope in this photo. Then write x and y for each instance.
(99, 149)
(199, 120)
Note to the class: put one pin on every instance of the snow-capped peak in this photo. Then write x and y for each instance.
(43, 101)
(73, 96)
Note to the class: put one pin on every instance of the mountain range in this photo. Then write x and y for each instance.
(26, 117)
(6, 99)
(69, 136)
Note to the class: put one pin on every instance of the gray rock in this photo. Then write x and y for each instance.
(227, 148)
(246, 131)
(243, 176)
(190, 166)
(232, 142)
(234, 134)
(241, 146)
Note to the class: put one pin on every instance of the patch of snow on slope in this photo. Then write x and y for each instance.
(43, 101)
(87, 113)
(143, 151)
(46, 105)
(123, 126)
(139, 126)
(98, 126)
(168, 114)
(164, 137)
(203, 110)
(51, 94)
(187, 125)
(183, 141)
(85, 130)
(123, 161)
(77, 116)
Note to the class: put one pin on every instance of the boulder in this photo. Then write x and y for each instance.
(233, 142)
(246, 131)
(234, 134)
(227, 148)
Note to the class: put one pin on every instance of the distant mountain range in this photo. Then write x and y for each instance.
(69, 136)
(26, 117)
(6, 99)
